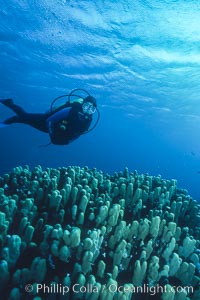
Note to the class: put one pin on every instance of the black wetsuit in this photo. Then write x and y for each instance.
(36, 120)
(62, 131)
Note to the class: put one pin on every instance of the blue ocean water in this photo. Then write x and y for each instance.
(140, 59)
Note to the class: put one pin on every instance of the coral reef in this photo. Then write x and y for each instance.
(77, 233)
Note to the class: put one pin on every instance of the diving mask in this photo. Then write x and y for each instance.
(88, 108)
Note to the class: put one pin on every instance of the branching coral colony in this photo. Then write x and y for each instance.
(99, 236)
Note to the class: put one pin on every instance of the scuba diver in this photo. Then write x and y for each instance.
(65, 123)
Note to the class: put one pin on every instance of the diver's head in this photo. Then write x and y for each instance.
(89, 105)
(91, 100)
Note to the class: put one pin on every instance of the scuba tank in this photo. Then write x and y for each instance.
(70, 100)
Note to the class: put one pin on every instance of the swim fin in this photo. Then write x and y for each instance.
(6, 102)
(3, 125)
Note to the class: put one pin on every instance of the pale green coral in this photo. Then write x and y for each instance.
(86, 227)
